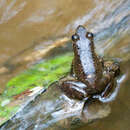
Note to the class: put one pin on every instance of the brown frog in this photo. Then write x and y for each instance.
(90, 75)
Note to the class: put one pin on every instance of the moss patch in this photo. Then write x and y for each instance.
(41, 74)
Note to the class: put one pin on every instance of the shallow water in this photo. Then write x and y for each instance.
(26, 25)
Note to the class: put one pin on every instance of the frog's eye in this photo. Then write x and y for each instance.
(89, 35)
(75, 37)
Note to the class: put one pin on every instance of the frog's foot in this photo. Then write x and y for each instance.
(110, 66)
(73, 89)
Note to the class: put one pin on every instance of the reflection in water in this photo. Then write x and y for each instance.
(23, 22)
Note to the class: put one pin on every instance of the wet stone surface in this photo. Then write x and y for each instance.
(54, 110)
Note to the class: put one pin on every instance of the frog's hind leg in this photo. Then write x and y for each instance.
(111, 70)
(110, 92)
(109, 89)
(73, 89)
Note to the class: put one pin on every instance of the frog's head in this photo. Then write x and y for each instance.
(82, 39)
(82, 34)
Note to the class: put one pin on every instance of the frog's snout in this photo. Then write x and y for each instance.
(81, 30)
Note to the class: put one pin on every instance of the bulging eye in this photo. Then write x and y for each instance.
(75, 37)
(89, 35)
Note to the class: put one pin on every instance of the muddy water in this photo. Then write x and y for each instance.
(24, 23)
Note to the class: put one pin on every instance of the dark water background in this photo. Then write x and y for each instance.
(26, 25)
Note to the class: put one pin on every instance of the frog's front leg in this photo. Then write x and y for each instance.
(71, 69)
(112, 67)
(73, 88)
(109, 88)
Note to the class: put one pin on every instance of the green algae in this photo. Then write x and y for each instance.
(8, 111)
(41, 74)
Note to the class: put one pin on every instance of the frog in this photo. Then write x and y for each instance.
(90, 74)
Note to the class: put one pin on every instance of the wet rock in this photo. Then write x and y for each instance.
(53, 110)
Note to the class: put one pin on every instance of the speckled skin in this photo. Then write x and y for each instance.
(90, 75)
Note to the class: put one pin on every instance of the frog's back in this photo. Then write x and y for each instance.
(86, 63)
